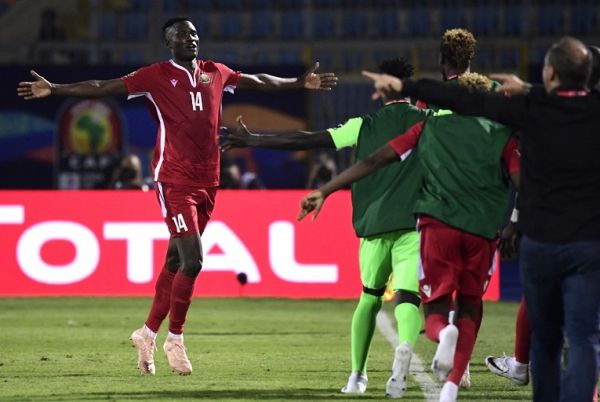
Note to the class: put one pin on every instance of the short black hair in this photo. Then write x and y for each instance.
(572, 66)
(172, 21)
(595, 75)
(398, 67)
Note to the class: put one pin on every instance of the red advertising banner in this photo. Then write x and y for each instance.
(113, 243)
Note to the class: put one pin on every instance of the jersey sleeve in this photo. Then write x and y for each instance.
(346, 135)
(404, 143)
(229, 76)
(140, 81)
(511, 156)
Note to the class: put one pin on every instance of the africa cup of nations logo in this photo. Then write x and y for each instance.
(89, 127)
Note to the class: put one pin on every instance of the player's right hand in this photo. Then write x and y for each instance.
(40, 88)
(511, 84)
(312, 202)
(385, 85)
(239, 138)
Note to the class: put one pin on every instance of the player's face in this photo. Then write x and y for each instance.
(183, 41)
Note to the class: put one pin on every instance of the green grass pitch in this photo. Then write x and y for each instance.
(77, 349)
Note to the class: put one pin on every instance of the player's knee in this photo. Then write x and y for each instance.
(469, 307)
(441, 305)
(404, 296)
(192, 267)
(374, 292)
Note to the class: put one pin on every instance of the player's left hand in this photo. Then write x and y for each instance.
(312, 202)
(384, 84)
(320, 81)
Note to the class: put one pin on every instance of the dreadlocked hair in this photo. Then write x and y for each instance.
(458, 47)
(477, 81)
(398, 67)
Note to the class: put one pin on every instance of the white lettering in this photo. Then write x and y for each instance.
(140, 237)
(235, 257)
(12, 214)
(196, 100)
(87, 252)
(283, 259)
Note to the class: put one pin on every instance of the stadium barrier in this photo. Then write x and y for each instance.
(112, 243)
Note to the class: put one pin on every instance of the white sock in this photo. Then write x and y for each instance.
(449, 392)
(178, 337)
(150, 333)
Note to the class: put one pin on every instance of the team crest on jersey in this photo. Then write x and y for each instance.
(204, 78)
(173, 82)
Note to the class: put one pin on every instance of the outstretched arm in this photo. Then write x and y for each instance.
(41, 88)
(509, 111)
(295, 140)
(308, 80)
(314, 201)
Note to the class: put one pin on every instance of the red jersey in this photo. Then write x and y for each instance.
(187, 109)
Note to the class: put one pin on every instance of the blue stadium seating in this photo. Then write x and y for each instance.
(229, 5)
(173, 6)
(293, 57)
(354, 24)
(387, 22)
(260, 4)
(261, 25)
(514, 18)
(135, 26)
(583, 17)
(141, 5)
(201, 22)
(550, 19)
(199, 6)
(292, 24)
(485, 19)
(452, 16)
(108, 26)
(325, 28)
(419, 23)
(230, 25)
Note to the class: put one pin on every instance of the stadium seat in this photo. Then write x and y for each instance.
(509, 58)
(293, 57)
(108, 26)
(229, 5)
(173, 6)
(387, 22)
(132, 57)
(353, 61)
(550, 19)
(419, 21)
(230, 25)
(201, 22)
(485, 18)
(199, 6)
(326, 24)
(260, 4)
(135, 26)
(140, 5)
(452, 16)
(292, 25)
(514, 18)
(261, 25)
(583, 17)
(354, 24)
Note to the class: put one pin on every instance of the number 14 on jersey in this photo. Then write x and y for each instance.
(196, 100)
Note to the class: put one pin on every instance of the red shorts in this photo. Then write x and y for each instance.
(186, 210)
(453, 260)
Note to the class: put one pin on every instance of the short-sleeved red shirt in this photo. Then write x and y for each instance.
(187, 109)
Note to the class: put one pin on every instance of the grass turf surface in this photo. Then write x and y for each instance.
(54, 349)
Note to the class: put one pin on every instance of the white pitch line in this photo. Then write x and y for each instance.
(431, 390)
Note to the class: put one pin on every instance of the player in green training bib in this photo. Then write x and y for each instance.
(382, 218)
(465, 163)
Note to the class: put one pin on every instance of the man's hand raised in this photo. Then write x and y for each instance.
(385, 85)
(511, 84)
(321, 81)
(40, 88)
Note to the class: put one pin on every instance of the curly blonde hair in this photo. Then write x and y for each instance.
(477, 81)
(458, 47)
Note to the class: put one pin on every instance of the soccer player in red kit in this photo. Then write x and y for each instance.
(184, 96)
